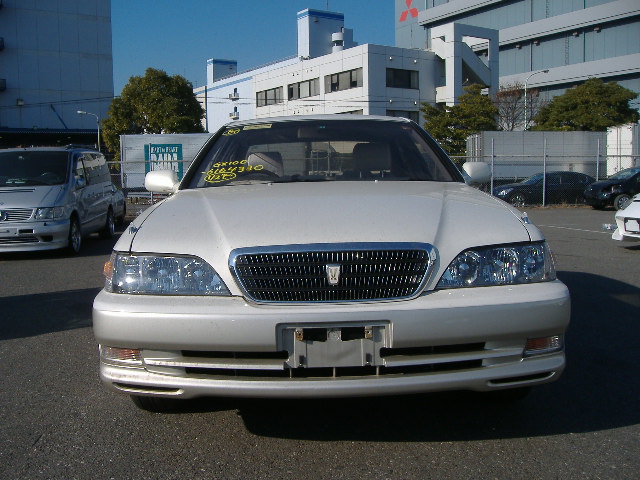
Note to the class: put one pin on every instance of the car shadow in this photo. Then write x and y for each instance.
(599, 389)
(37, 314)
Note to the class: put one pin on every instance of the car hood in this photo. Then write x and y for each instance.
(511, 185)
(30, 196)
(604, 183)
(211, 222)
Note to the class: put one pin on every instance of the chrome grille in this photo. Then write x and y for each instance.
(299, 273)
(17, 214)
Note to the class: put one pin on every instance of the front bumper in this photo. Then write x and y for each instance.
(628, 228)
(598, 198)
(36, 235)
(470, 339)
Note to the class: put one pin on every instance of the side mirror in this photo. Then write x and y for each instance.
(477, 172)
(81, 182)
(161, 181)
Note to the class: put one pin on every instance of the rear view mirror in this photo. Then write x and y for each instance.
(161, 181)
(477, 172)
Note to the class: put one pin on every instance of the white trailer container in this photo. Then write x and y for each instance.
(623, 147)
(142, 153)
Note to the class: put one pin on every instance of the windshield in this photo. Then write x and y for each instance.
(624, 174)
(321, 150)
(33, 168)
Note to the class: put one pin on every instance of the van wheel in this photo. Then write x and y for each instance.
(156, 404)
(75, 237)
(109, 228)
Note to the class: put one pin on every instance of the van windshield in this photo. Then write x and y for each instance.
(19, 168)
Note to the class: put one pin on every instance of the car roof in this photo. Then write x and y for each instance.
(324, 117)
(68, 148)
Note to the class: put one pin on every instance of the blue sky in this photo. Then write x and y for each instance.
(180, 36)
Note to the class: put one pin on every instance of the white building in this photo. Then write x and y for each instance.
(55, 59)
(332, 74)
(550, 44)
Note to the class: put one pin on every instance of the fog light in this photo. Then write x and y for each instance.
(539, 346)
(121, 356)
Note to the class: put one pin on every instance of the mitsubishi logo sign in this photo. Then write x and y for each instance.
(409, 10)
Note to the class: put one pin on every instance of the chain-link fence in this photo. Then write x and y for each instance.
(129, 177)
(518, 179)
(548, 179)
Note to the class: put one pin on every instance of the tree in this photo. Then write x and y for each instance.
(451, 125)
(592, 106)
(510, 104)
(155, 103)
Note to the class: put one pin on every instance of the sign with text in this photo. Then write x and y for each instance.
(165, 156)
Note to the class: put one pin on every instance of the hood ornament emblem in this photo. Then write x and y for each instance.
(333, 274)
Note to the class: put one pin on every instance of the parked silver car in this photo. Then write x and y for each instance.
(51, 196)
(327, 256)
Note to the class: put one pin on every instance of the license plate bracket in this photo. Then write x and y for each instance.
(632, 225)
(346, 345)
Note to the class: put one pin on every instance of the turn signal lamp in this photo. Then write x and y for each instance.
(121, 356)
(539, 346)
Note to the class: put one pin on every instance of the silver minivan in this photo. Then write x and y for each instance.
(51, 196)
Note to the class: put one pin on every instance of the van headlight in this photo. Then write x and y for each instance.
(500, 265)
(161, 275)
(50, 213)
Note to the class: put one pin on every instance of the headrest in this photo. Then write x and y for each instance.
(372, 156)
(270, 162)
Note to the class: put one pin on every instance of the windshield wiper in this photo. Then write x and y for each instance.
(303, 178)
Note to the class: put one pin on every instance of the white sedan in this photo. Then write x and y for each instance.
(628, 222)
(327, 256)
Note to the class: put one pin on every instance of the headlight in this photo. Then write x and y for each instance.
(503, 265)
(50, 213)
(503, 192)
(613, 189)
(161, 275)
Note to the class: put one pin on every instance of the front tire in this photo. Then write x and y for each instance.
(109, 228)
(156, 404)
(510, 395)
(621, 201)
(75, 236)
(517, 200)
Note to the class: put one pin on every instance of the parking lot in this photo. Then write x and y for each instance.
(59, 422)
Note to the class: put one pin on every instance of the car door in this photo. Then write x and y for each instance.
(104, 188)
(81, 191)
(554, 188)
(93, 194)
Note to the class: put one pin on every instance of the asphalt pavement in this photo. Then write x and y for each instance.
(59, 422)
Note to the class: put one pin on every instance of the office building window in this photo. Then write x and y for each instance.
(397, 78)
(343, 80)
(305, 89)
(269, 97)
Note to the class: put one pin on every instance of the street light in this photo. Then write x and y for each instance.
(82, 112)
(526, 120)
